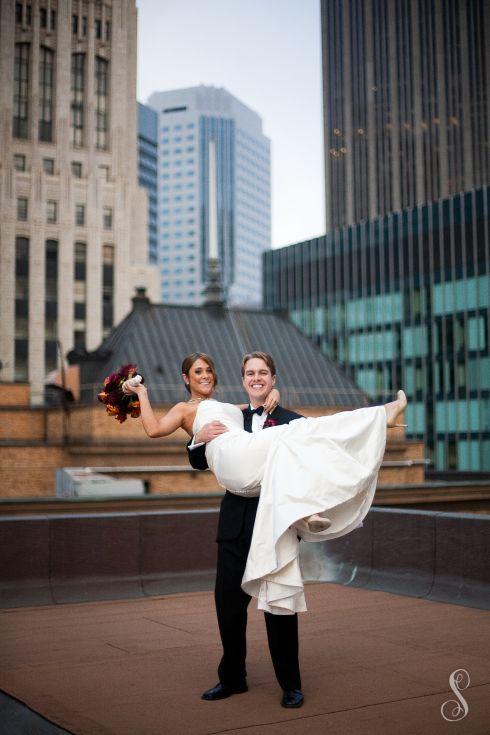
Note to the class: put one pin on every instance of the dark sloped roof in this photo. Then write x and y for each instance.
(158, 336)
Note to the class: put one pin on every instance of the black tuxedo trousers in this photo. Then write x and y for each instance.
(235, 527)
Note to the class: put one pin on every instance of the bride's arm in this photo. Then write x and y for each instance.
(154, 427)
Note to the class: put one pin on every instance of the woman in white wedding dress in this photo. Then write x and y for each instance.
(311, 473)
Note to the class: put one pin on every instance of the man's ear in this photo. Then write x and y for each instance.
(273, 380)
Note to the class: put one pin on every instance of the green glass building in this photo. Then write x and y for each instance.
(404, 301)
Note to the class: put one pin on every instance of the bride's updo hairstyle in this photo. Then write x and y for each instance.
(189, 361)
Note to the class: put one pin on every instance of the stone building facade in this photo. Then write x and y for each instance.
(73, 218)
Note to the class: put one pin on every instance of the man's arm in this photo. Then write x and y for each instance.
(197, 457)
(197, 454)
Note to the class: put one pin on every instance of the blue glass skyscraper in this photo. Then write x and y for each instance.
(188, 120)
(404, 301)
(148, 171)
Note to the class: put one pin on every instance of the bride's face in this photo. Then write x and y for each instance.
(200, 379)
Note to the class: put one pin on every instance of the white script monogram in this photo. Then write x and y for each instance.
(459, 679)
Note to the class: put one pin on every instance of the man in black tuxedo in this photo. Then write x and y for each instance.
(235, 527)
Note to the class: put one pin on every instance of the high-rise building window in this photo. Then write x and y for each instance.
(98, 28)
(19, 162)
(48, 166)
(18, 13)
(53, 20)
(80, 268)
(43, 17)
(74, 25)
(21, 91)
(51, 211)
(80, 215)
(77, 98)
(80, 294)
(51, 307)
(104, 172)
(22, 209)
(102, 101)
(107, 288)
(46, 87)
(76, 169)
(28, 15)
(107, 30)
(107, 218)
(21, 307)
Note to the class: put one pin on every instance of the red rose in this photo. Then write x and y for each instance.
(117, 403)
(269, 422)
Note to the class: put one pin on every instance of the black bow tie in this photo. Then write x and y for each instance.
(250, 411)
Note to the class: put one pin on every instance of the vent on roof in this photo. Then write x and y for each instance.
(140, 298)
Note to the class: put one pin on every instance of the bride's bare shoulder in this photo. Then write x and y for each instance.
(184, 407)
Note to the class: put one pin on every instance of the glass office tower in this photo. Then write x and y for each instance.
(148, 171)
(406, 103)
(189, 119)
(404, 301)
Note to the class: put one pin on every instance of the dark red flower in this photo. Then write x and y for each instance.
(117, 403)
(269, 422)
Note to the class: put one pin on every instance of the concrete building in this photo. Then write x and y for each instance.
(72, 228)
(204, 130)
(148, 171)
(403, 301)
(406, 104)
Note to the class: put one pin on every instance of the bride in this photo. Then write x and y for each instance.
(316, 476)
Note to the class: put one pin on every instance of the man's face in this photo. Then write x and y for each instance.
(258, 381)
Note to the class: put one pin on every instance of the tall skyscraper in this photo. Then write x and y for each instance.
(72, 223)
(406, 90)
(199, 126)
(148, 171)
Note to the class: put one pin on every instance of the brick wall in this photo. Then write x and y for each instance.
(35, 441)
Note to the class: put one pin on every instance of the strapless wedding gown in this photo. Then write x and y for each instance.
(327, 465)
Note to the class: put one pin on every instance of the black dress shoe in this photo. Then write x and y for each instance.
(221, 691)
(292, 698)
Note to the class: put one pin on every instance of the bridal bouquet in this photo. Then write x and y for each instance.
(117, 403)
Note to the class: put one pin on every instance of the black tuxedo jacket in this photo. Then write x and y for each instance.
(234, 508)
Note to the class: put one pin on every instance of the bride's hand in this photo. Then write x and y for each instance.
(272, 400)
(127, 388)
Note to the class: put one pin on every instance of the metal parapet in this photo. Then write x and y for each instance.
(428, 554)
(59, 559)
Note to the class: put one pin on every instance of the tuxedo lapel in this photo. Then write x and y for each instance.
(247, 420)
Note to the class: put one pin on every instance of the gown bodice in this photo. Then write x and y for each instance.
(213, 410)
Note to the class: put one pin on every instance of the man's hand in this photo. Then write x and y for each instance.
(209, 432)
(272, 400)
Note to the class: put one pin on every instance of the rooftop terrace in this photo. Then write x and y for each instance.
(372, 662)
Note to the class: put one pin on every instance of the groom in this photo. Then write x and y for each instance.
(235, 527)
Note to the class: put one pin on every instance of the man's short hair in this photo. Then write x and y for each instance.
(259, 356)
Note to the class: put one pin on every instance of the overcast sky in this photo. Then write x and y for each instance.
(267, 53)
